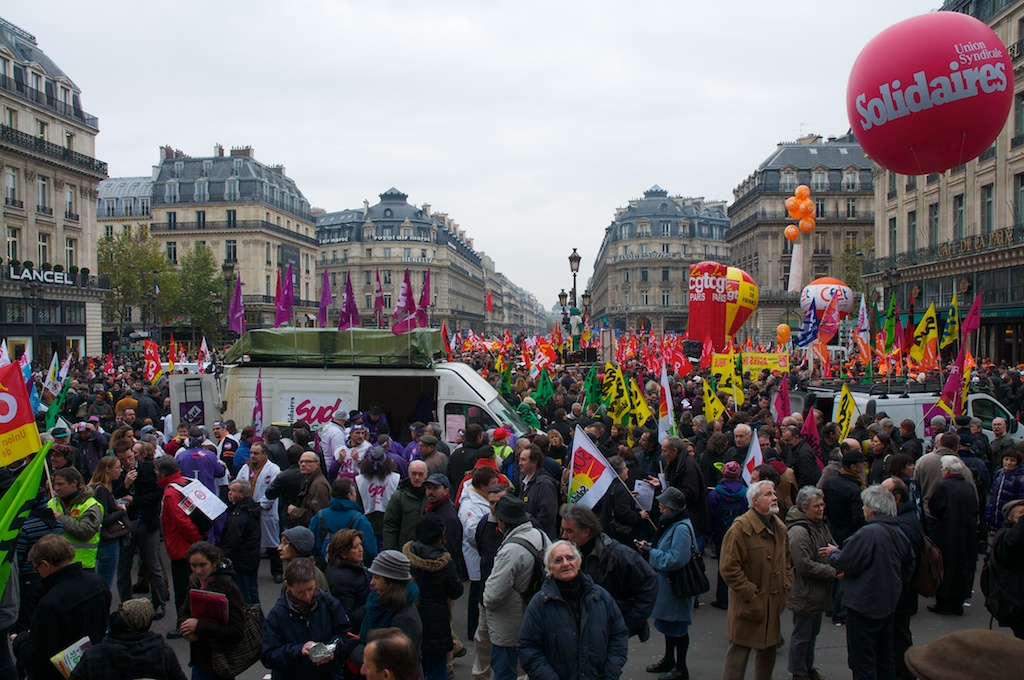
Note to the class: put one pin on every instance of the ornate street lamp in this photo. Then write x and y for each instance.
(574, 266)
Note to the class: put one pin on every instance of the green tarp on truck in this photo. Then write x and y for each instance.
(328, 347)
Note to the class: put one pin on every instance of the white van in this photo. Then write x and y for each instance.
(916, 404)
(408, 389)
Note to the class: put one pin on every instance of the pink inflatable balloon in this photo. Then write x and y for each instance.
(930, 93)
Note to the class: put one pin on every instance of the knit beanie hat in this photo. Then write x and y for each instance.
(731, 470)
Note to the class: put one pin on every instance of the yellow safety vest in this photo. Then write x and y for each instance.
(85, 551)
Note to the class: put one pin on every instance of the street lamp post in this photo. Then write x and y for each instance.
(574, 266)
(585, 298)
(562, 298)
(228, 268)
(31, 294)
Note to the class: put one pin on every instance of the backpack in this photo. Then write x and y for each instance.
(928, 573)
(537, 576)
(727, 512)
(325, 538)
(1003, 589)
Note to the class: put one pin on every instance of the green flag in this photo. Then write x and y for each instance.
(591, 388)
(505, 386)
(57, 405)
(890, 324)
(545, 390)
(14, 508)
(528, 416)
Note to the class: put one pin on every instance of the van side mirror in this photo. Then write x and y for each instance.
(1014, 424)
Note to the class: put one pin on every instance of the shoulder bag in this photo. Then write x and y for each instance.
(233, 659)
(692, 579)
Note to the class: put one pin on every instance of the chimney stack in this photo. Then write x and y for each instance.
(243, 151)
(218, 151)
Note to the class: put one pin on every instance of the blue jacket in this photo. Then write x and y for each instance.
(338, 516)
(553, 646)
(285, 632)
(876, 561)
(671, 553)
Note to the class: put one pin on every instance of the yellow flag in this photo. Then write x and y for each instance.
(951, 333)
(713, 407)
(925, 332)
(723, 370)
(641, 412)
(845, 417)
(615, 393)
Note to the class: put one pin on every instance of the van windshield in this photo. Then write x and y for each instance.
(507, 414)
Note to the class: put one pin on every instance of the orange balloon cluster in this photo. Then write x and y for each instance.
(800, 207)
(782, 332)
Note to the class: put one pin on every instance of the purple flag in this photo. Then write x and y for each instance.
(236, 312)
(257, 406)
(349, 309)
(809, 432)
(973, 320)
(405, 308)
(326, 300)
(285, 300)
(378, 301)
(421, 312)
(952, 390)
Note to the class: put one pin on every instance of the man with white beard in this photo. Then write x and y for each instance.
(755, 564)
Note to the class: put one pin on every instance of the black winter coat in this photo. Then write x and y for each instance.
(74, 603)
(125, 655)
(438, 579)
(285, 632)
(240, 537)
(627, 577)
(620, 515)
(954, 506)
(350, 585)
(684, 474)
(452, 532)
(843, 506)
(145, 492)
(223, 581)
(906, 518)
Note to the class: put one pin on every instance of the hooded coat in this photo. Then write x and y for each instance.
(126, 654)
(437, 576)
(954, 505)
(812, 575)
(240, 538)
(755, 564)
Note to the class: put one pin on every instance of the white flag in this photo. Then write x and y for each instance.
(591, 474)
(666, 418)
(257, 406)
(754, 458)
(5, 357)
(65, 368)
(204, 355)
(52, 383)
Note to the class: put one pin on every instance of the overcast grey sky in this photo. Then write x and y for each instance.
(528, 122)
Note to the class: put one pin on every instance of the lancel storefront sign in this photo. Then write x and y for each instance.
(41, 275)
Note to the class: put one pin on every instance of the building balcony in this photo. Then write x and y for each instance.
(43, 210)
(25, 93)
(987, 154)
(121, 212)
(332, 260)
(999, 239)
(14, 203)
(269, 300)
(56, 152)
(70, 216)
(159, 198)
(776, 218)
(236, 225)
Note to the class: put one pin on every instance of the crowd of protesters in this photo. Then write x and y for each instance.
(374, 528)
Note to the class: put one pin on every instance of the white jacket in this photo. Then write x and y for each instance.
(473, 509)
(513, 568)
(270, 521)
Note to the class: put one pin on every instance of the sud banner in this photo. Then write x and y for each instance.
(591, 473)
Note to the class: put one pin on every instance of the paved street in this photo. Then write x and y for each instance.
(707, 638)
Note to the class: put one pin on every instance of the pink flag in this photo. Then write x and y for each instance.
(829, 324)
(782, 407)
(951, 391)
(236, 312)
(422, 309)
(349, 309)
(289, 287)
(405, 308)
(378, 301)
(257, 406)
(973, 319)
(326, 300)
(810, 433)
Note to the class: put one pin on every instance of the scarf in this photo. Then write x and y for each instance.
(376, 616)
(299, 607)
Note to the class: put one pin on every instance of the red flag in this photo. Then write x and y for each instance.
(829, 324)
(706, 351)
(17, 423)
(92, 364)
(108, 365)
(782, 407)
(526, 357)
(973, 319)
(809, 432)
(153, 369)
(444, 338)
(490, 304)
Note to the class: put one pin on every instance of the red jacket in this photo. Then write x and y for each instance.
(179, 530)
(485, 461)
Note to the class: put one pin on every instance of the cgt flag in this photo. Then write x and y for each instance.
(592, 476)
(153, 369)
(19, 436)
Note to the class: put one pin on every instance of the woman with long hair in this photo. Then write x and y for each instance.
(211, 574)
(346, 574)
(376, 483)
(557, 450)
(102, 483)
